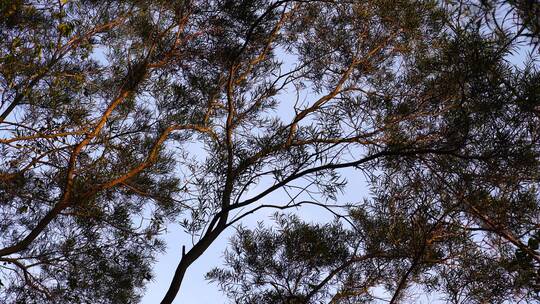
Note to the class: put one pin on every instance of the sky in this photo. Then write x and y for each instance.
(195, 289)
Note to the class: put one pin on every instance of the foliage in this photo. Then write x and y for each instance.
(118, 118)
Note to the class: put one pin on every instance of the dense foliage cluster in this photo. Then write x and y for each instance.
(118, 118)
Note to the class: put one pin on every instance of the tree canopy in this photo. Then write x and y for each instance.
(118, 118)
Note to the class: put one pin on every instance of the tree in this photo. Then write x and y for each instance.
(119, 117)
